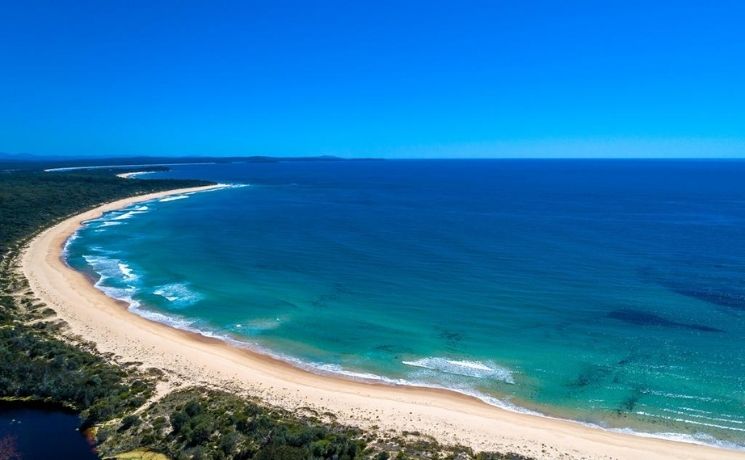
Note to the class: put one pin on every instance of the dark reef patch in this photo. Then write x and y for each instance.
(724, 297)
(629, 403)
(451, 336)
(590, 375)
(641, 318)
(722, 285)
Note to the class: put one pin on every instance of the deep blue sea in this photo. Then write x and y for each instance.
(610, 292)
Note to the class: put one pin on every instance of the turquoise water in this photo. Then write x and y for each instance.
(610, 292)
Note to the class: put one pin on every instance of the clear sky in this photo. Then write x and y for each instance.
(379, 78)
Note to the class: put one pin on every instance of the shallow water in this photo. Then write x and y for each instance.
(611, 292)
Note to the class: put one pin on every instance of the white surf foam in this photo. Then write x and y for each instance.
(173, 198)
(692, 422)
(697, 415)
(66, 246)
(104, 266)
(111, 268)
(254, 326)
(126, 215)
(126, 271)
(465, 368)
(218, 187)
(171, 320)
(178, 294)
(336, 369)
(698, 438)
(139, 173)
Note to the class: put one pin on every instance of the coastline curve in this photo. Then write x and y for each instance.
(193, 359)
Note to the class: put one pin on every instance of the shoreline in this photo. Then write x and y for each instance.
(189, 358)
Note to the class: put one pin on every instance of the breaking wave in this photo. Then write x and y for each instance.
(178, 294)
(476, 369)
(173, 198)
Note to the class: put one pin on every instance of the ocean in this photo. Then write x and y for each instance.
(609, 292)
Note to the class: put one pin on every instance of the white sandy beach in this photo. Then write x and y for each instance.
(189, 359)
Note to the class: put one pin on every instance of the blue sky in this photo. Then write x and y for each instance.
(384, 78)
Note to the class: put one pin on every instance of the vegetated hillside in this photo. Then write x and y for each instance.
(33, 362)
(30, 200)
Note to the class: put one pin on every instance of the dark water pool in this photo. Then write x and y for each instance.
(32, 432)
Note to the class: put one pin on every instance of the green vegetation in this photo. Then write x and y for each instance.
(34, 363)
(32, 200)
(40, 362)
(210, 424)
(207, 424)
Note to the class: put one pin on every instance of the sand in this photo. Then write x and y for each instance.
(190, 359)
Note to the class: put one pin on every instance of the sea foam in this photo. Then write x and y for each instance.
(465, 368)
(178, 294)
(68, 242)
(109, 223)
(258, 325)
(126, 271)
(173, 198)
(108, 267)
